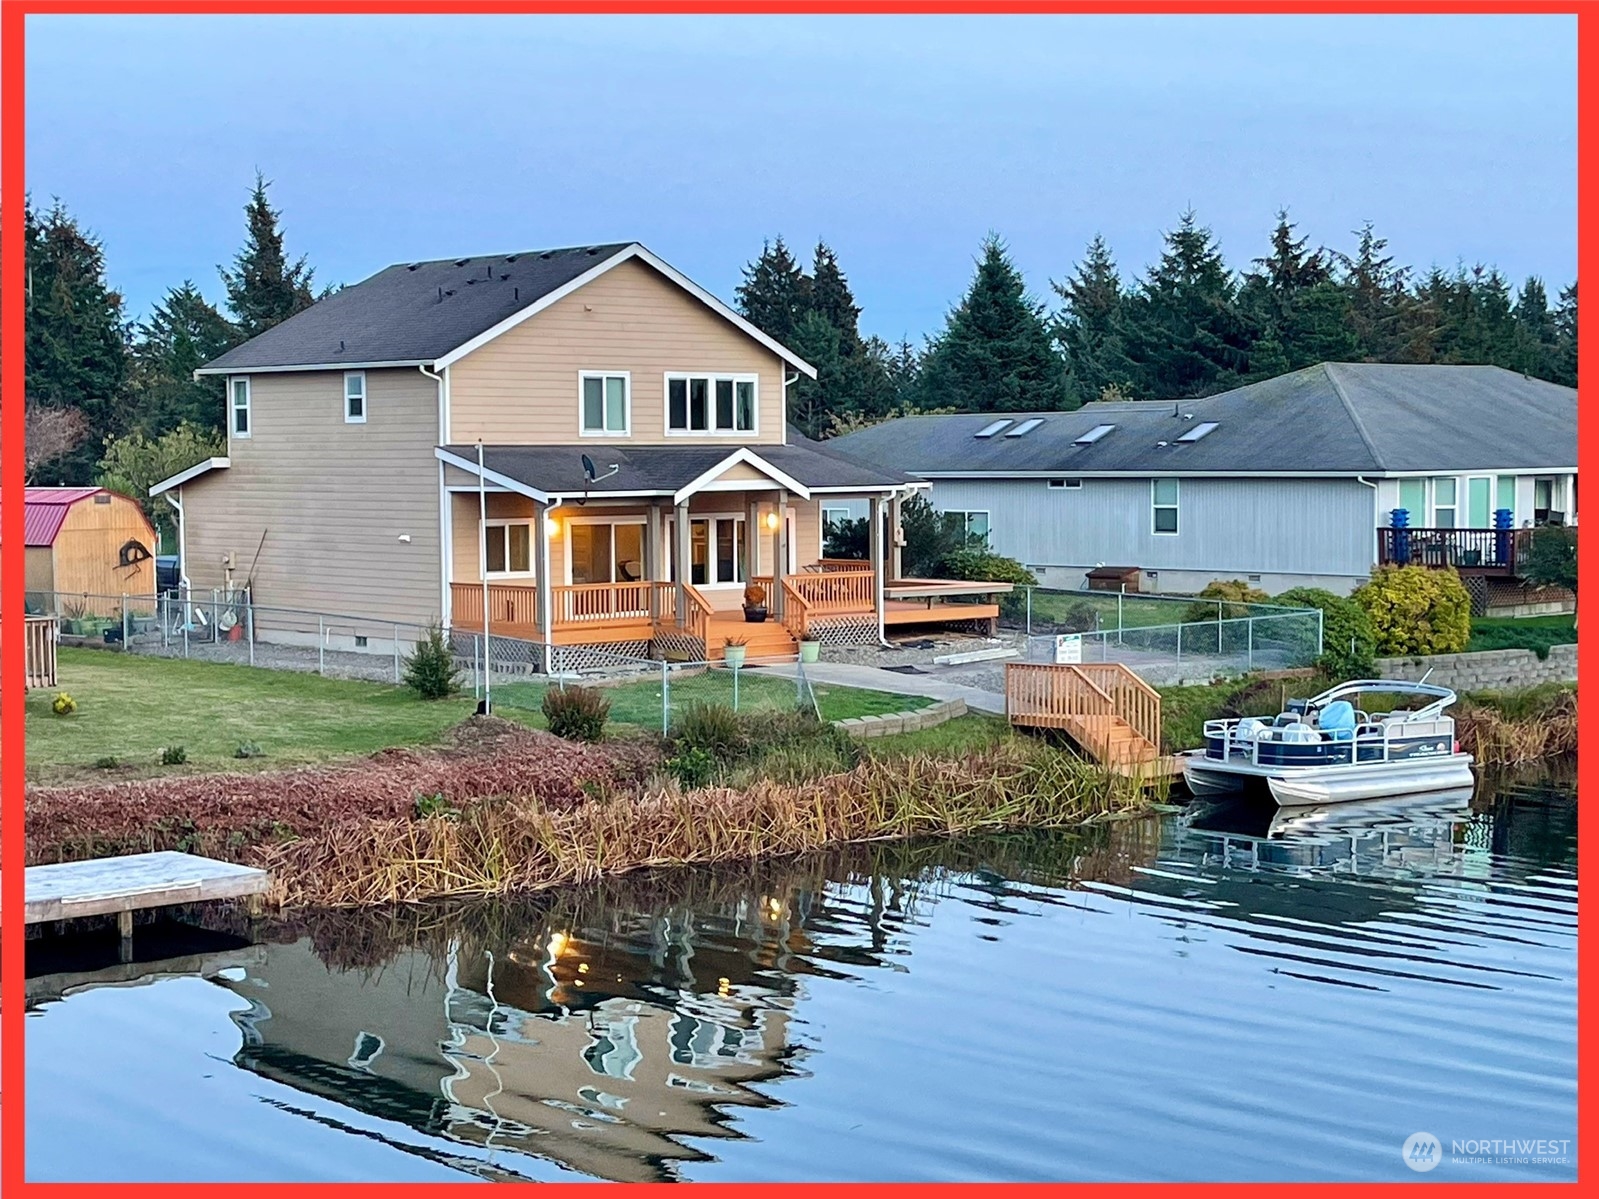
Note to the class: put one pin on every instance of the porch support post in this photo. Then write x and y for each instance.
(654, 560)
(896, 548)
(541, 559)
(875, 539)
(780, 551)
(752, 538)
(682, 540)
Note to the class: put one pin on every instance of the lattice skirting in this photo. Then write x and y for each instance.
(678, 645)
(844, 630)
(1477, 589)
(565, 658)
(507, 655)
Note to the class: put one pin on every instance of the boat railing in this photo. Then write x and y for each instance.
(1367, 734)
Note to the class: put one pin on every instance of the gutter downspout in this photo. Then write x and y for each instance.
(1375, 515)
(445, 615)
(184, 586)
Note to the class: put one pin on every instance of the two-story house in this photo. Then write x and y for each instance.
(587, 431)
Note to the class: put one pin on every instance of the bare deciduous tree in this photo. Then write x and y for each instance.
(49, 434)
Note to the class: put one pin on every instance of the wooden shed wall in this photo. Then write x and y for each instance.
(87, 548)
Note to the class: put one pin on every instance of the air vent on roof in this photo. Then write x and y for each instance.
(1199, 431)
(413, 266)
(512, 257)
(545, 255)
(462, 261)
(1093, 435)
(1027, 426)
(592, 250)
(990, 430)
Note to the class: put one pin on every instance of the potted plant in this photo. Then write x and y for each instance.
(734, 650)
(810, 651)
(755, 603)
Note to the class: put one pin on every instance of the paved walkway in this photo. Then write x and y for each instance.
(871, 678)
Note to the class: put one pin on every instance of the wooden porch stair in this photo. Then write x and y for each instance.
(769, 639)
(1111, 713)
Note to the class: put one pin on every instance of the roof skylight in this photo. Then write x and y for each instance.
(1199, 430)
(990, 430)
(1027, 426)
(1093, 435)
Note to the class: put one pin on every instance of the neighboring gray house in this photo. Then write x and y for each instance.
(1284, 483)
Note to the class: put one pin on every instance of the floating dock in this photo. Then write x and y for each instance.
(132, 883)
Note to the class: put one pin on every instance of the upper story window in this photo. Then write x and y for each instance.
(239, 406)
(605, 403)
(355, 398)
(711, 403)
(1163, 499)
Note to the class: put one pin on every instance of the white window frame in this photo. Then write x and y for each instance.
(627, 403)
(348, 419)
(712, 378)
(966, 515)
(842, 514)
(502, 523)
(1452, 507)
(612, 521)
(234, 408)
(1175, 506)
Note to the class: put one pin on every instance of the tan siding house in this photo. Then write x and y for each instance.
(580, 450)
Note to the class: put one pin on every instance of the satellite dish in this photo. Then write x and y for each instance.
(588, 468)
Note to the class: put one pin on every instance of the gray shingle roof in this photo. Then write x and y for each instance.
(558, 469)
(415, 312)
(1336, 418)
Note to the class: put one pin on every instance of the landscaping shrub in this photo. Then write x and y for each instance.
(714, 728)
(430, 669)
(174, 755)
(109, 762)
(434, 805)
(692, 767)
(1228, 597)
(1079, 617)
(1416, 611)
(249, 749)
(1539, 638)
(576, 713)
(63, 705)
(1348, 642)
(983, 565)
(1549, 558)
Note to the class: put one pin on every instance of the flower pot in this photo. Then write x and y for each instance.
(755, 613)
(734, 655)
(810, 651)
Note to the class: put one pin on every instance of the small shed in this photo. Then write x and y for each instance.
(1114, 578)
(89, 544)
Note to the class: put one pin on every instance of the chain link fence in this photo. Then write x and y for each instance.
(1193, 651)
(227, 628)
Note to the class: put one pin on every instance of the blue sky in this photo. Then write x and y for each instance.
(901, 141)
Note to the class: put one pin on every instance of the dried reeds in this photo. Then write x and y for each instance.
(522, 845)
(1518, 727)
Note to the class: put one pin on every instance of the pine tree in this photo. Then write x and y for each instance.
(773, 295)
(1375, 289)
(1564, 369)
(76, 340)
(264, 288)
(1185, 334)
(818, 342)
(829, 296)
(994, 353)
(184, 331)
(1089, 329)
(1535, 338)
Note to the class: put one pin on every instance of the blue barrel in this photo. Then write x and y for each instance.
(1502, 533)
(1399, 519)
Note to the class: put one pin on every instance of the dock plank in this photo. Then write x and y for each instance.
(134, 882)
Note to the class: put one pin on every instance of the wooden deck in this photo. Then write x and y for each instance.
(1111, 713)
(131, 883)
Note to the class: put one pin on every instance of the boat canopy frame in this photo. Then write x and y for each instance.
(1443, 697)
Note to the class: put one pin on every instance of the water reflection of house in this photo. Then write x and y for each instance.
(602, 1051)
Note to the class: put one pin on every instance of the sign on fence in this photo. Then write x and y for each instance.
(1068, 649)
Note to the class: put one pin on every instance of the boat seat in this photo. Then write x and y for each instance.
(1338, 720)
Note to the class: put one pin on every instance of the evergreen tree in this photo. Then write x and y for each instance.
(994, 353)
(264, 288)
(1375, 288)
(75, 341)
(1536, 338)
(184, 331)
(1564, 369)
(1185, 335)
(1296, 311)
(1089, 329)
(829, 296)
(817, 341)
(773, 295)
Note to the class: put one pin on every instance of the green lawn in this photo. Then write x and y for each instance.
(1536, 633)
(131, 708)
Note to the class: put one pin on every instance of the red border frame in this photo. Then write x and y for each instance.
(13, 16)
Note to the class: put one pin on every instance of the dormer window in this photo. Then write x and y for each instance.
(355, 397)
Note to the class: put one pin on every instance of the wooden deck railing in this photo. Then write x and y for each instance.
(835, 591)
(1488, 550)
(796, 610)
(600, 603)
(1090, 701)
(39, 651)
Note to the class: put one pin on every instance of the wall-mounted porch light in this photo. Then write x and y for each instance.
(771, 521)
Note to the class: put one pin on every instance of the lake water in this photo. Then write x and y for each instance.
(1195, 995)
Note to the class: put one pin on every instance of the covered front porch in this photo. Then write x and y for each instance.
(664, 575)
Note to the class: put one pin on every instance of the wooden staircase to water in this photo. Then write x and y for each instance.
(1111, 713)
